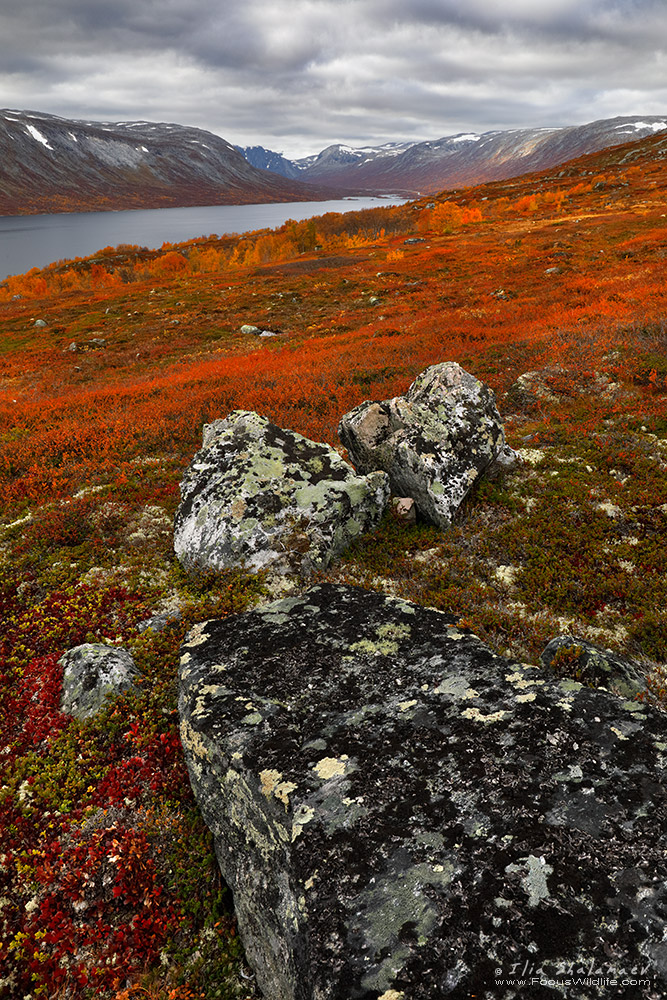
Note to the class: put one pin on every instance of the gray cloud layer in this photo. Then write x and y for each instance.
(298, 74)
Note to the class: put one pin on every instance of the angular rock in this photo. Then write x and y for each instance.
(92, 673)
(404, 509)
(434, 442)
(593, 665)
(396, 808)
(160, 621)
(266, 498)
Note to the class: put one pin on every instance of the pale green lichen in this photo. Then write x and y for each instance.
(477, 716)
(455, 687)
(381, 648)
(331, 767)
(253, 719)
(535, 879)
(393, 630)
(303, 815)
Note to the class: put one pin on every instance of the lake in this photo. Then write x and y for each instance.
(28, 241)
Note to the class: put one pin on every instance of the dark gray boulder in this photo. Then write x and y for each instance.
(400, 813)
(570, 656)
(434, 442)
(92, 673)
(260, 497)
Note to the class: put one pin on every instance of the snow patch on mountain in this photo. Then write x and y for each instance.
(36, 134)
(652, 126)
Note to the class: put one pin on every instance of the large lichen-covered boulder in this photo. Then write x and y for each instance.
(92, 673)
(434, 442)
(261, 497)
(401, 813)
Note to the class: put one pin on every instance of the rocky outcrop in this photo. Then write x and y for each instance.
(534, 389)
(434, 442)
(400, 813)
(92, 673)
(593, 665)
(260, 497)
(546, 388)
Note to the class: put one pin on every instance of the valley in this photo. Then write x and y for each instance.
(109, 367)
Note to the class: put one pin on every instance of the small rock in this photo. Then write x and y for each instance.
(160, 621)
(405, 509)
(506, 458)
(92, 673)
(593, 665)
(249, 329)
(73, 348)
(533, 389)
(39, 323)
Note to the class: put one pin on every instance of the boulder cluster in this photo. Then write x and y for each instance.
(400, 813)
(263, 498)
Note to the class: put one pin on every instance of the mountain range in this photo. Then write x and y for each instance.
(53, 164)
(456, 160)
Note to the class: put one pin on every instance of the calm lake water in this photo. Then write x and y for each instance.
(36, 240)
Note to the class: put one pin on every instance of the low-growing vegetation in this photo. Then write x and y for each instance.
(109, 885)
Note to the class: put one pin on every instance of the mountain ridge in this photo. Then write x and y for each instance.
(459, 160)
(53, 164)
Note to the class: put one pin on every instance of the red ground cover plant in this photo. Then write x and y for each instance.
(108, 881)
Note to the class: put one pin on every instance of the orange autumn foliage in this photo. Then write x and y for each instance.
(349, 331)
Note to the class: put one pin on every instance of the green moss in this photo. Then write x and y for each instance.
(649, 635)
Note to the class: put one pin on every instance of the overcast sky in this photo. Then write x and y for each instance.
(296, 75)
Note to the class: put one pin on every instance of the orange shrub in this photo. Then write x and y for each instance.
(169, 263)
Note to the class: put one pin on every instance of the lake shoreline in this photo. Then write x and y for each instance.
(28, 241)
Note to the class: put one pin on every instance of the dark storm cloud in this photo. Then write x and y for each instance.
(298, 74)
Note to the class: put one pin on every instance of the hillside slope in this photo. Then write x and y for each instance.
(51, 164)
